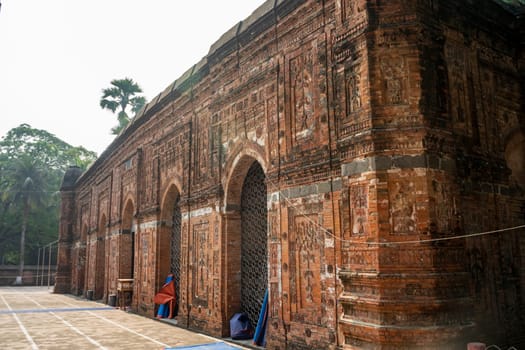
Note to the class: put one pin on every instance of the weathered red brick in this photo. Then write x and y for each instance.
(380, 126)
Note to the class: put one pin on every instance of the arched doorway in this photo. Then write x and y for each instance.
(253, 238)
(175, 249)
(169, 257)
(127, 243)
(100, 263)
(254, 242)
(82, 260)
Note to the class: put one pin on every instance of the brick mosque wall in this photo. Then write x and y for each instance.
(384, 130)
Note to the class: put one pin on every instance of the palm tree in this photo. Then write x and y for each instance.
(121, 96)
(25, 186)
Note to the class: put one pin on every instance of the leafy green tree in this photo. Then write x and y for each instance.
(32, 166)
(25, 185)
(44, 146)
(119, 97)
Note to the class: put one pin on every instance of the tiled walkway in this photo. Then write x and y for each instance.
(34, 318)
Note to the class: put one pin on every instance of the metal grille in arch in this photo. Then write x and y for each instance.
(254, 242)
(176, 246)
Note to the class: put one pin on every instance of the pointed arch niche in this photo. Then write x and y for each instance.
(127, 242)
(246, 237)
(515, 155)
(100, 263)
(82, 261)
(170, 238)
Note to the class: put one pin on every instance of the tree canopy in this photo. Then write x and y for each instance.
(26, 188)
(44, 146)
(120, 96)
(32, 165)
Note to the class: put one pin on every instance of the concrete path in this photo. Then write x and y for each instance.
(34, 318)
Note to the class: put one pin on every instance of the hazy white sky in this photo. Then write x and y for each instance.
(57, 55)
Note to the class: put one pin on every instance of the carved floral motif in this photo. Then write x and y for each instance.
(395, 77)
(302, 93)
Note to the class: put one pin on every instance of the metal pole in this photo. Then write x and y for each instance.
(49, 267)
(43, 260)
(37, 267)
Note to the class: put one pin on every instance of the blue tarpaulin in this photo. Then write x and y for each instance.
(240, 327)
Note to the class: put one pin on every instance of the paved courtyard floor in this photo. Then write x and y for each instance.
(34, 318)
